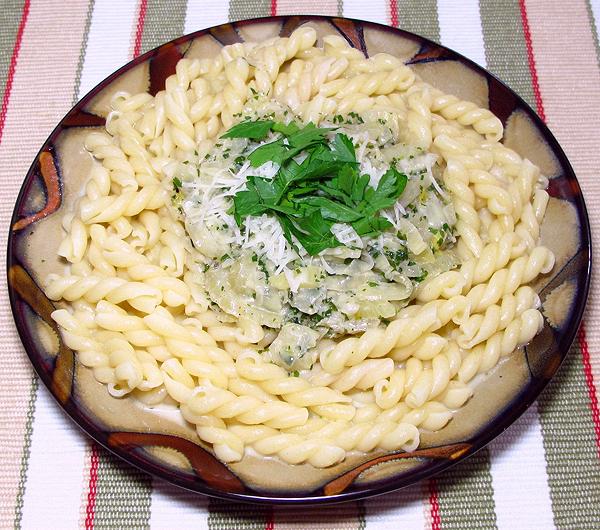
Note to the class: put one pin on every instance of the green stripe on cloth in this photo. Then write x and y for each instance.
(594, 29)
(164, 22)
(86, 32)
(122, 495)
(505, 50)
(362, 515)
(26, 452)
(236, 516)
(10, 17)
(570, 444)
(240, 9)
(420, 17)
(466, 496)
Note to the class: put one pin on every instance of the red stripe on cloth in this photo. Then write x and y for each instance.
(13, 65)
(139, 28)
(533, 70)
(394, 13)
(270, 523)
(90, 510)
(273, 7)
(434, 505)
(589, 379)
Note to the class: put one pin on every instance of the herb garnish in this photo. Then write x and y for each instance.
(309, 197)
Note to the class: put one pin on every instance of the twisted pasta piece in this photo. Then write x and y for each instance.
(418, 122)
(416, 383)
(493, 257)
(227, 446)
(506, 281)
(361, 376)
(410, 325)
(378, 83)
(270, 55)
(486, 186)
(109, 208)
(522, 187)
(463, 199)
(275, 380)
(485, 356)
(113, 159)
(497, 317)
(245, 332)
(468, 113)
(337, 46)
(74, 244)
(432, 416)
(92, 289)
(330, 447)
(208, 399)
(531, 218)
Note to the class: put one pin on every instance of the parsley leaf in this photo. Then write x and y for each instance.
(306, 136)
(274, 151)
(247, 203)
(388, 190)
(343, 149)
(313, 232)
(371, 226)
(286, 129)
(255, 130)
(331, 209)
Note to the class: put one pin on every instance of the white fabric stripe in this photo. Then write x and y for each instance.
(460, 28)
(109, 41)
(173, 507)
(404, 509)
(205, 13)
(375, 11)
(519, 477)
(57, 457)
(596, 12)
(58, 448)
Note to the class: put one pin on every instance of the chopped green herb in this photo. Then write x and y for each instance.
(310, 196)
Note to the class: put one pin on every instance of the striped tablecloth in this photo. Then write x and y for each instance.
(544, 472)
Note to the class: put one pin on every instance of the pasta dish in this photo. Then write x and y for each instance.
(307, 252)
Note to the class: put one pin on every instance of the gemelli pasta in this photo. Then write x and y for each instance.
(308, 252)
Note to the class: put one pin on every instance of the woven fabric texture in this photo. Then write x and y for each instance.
(543, 473)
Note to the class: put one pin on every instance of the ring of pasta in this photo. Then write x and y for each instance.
(132, 311)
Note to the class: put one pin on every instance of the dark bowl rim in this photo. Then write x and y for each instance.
(501, 422)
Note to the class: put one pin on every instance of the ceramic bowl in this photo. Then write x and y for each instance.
(160, 443)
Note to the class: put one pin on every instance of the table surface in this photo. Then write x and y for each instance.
(544, 472)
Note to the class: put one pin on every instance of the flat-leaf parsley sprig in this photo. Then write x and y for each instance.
(310, 196)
